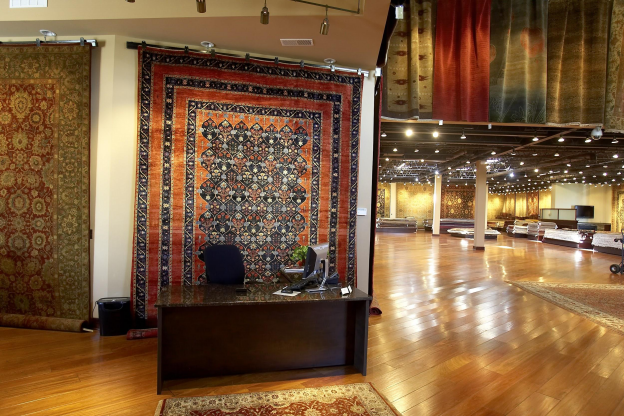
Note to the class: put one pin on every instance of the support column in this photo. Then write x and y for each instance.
(393, 200)
(437, 204)
(480, 207)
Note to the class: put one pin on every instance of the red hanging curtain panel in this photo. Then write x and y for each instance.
(461, 77)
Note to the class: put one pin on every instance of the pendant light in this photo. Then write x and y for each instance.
(264, 14)
(201, 6)
(325, 24)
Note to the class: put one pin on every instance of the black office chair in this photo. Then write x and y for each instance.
(224, 264)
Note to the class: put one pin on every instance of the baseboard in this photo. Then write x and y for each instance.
(478, 248)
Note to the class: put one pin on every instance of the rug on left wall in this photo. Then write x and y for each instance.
(44, 184)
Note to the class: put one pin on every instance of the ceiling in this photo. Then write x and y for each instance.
(515, 160)
(353, 40)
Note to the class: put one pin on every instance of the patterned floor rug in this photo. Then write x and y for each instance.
(351, 399)
(599, 303)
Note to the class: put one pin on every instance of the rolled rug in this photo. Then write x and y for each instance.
(142, 333)
(42, 322)
(374, 308)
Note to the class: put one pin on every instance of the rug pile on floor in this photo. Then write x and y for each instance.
(600, 303)
(351, 399)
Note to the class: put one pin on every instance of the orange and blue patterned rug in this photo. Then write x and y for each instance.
(233, 151)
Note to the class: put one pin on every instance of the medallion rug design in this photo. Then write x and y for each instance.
(600, 303)
(347, 400)
(44, 184)
(261, 156)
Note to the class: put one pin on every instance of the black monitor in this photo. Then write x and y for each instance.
(316, 258)
(584, 211)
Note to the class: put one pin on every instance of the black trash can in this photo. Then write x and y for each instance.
(115, 316)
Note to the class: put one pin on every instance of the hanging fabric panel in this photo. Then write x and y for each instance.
(518, 61)
(408, 75)
(462, 60)
(577, 61)
(614, 106)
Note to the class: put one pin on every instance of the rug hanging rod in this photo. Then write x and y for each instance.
(135, 45)
(39, 42)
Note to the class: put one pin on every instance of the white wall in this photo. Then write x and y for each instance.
(113, 166)
(567, 196)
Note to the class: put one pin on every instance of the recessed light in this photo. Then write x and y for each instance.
(329, 61)
(207, 44)
(435, 133)
(409, 132)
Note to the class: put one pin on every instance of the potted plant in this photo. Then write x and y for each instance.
(299, 255)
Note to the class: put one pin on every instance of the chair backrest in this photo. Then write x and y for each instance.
(224, 265)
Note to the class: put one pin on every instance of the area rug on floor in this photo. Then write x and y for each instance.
(351, 399)
(597, 302)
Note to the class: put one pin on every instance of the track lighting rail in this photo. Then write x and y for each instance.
(40, 42)
(135, 45)
(327, 6)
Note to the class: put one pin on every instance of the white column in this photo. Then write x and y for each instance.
(437, 204)
(480, 207)
(393, 200)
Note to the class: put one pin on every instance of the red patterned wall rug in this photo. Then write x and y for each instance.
(258, 155)
(44, 186)
(600, 303)
(347, 400)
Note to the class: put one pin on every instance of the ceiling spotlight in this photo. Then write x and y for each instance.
(512, 174)
(521, 163)
(614, 141)
(463, 136)
(201, 6)
(556, 154)
(536, 170)
(409, 132)
(437, 151)
(604, 174)
(467, 161)
(493, 153)
(387, 159)
(264, 14)
(561, 139)
(435, 133)
(565, 171)
(535, 139)
(394, 150)
(383, 134)
(534, 154)
(47, 33)
(325, 24)
(422, 160)
(588, 140)
(415, 150)
(615, 156)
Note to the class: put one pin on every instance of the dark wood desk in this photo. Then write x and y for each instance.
(209, 330)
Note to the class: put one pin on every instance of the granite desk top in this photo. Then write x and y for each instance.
(219, 295)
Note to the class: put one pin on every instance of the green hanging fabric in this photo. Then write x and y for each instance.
(577, 61)
(614, 105)
(408, 75)
(518, 61)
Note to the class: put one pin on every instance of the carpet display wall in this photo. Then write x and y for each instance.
(614, 106)
(577, 60)
(258, 155)
(415, 201)
(44, 185)
(462, 60)
(408, 83)
(518, 61)
(458, 202)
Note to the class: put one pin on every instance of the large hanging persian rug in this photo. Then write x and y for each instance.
(614, 105)
(348, 400)
(599, 303)
(461, 77)
(458, 202)
(408, 75)
(261, 156)
(518, 61)
(44, 185)
(577, 61)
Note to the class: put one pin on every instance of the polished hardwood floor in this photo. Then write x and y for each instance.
(454, 339)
